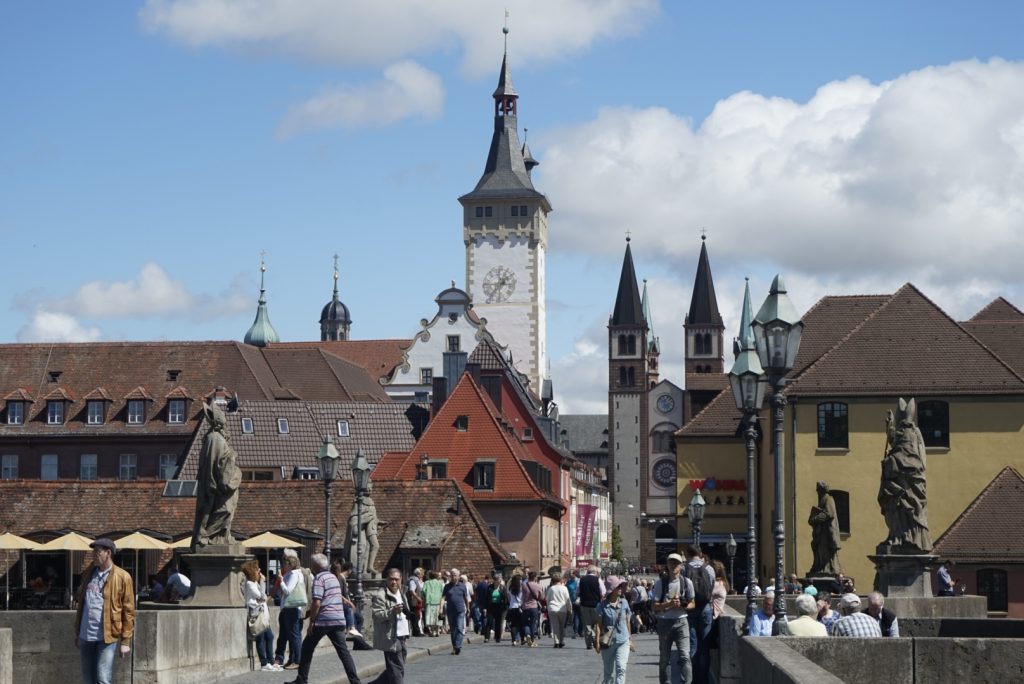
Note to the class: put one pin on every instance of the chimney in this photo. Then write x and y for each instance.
(439, 395)
(474, 372)
(454, 364)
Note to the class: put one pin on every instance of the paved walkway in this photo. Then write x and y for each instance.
(430, 662)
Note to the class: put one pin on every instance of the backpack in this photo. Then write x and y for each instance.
(702, 586)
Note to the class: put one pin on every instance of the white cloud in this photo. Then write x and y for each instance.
(366, 33)
(406, 90)
(857, 191)
(917, 179)
(50, 326)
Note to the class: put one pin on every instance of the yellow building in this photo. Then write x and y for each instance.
(858, 356)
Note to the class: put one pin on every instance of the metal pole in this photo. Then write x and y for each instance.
(696, 535)
(327, 516)
(778, 525)
(732, 579)
(751, 434)
(358, 594)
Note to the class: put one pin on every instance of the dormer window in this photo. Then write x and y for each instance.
(95, 412)
(55, 413)
(15, 413)
(176, 411)
(462, 423)
(527, 434)
(136, 411)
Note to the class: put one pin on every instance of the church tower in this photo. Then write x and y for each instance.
(261, 332)
(335, 321)
(628, 377)
(704, 332)
(505, 231)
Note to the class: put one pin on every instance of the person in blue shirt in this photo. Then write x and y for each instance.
(761, 622)
(572, 584)
(612, 626)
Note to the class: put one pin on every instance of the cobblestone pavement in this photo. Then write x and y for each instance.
(430, 662)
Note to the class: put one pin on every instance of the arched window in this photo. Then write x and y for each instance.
(630, 376)
(622, 345)
(664, 442)
(698, 344)
(992, 584)
(622, 376)
(833, 431)
(933, 420)
(631, 346)
(707, 344)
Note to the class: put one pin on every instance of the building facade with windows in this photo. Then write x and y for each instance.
(860, 355)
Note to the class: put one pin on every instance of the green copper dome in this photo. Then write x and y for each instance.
(262, 332)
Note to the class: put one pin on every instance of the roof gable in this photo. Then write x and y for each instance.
(991, 528)
(999, 309)
(907, 346)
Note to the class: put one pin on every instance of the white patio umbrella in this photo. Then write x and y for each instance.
(12, 542)
(140, 542)
(267, 541)
(72, 541)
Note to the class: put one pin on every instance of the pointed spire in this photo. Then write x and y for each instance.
(261, 333)
(745, 340)
(628, 307)
(703, 303)
(528, 159)
(646, 305)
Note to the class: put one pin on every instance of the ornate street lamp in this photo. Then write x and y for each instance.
(328, 458)
(777, 331)
(748, 389)
(360, 480)
(695, 511)
(730, 552)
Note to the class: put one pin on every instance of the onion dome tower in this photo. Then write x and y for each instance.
(335, 322)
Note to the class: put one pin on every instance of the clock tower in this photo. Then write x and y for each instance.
(505, 231)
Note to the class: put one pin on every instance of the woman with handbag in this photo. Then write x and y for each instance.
(258, 622)
(515, 610)
(613, 641)
(293, 608)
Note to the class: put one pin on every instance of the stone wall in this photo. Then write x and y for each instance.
(194, 646)
(771, 661)
(963, 628)
(890, 660)
(6, 657)
(935, 607)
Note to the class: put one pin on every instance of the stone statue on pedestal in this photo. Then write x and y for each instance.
(217, 490)
(363, 529)
(902, 494)
(825, 534)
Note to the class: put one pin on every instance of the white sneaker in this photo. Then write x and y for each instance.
(277, 667)
(355, 632)
(269, 667)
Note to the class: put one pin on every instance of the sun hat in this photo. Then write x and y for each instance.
(611, 583)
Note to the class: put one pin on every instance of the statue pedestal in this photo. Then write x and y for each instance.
(902, 574)
(217, 576)
(823, 583)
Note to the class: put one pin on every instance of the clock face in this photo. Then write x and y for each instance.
(666, 403)
(499, 284)
(665, 472)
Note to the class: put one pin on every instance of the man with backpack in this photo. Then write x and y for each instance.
(672, 594)
(700, 616)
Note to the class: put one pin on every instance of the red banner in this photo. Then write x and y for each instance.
(586, 516)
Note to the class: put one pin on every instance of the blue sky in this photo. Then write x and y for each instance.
(152, 150)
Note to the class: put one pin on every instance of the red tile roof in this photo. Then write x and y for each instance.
(19, 394)
(706, 381)
(907, 346)
(125, 370)
(991, 528)
(999, 310)
(829, 321)
(402, 507)
(98, 394)
(1005, 338)
(378, 357)
(485, 438)
(718, 418)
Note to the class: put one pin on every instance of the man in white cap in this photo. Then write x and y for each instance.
(854, 623)
(672, 594)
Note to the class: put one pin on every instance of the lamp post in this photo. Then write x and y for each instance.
(360, 479)
(730, 552)
(748, 389)
(421, 469)
(777, 331)
(328, 458)
(695, 511)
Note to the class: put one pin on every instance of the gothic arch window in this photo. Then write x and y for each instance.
(622, 376)
(833, 427)
(698, 344)
(933, 420)
(992, 584)
(622, 345)
(631, 376)
(707, 343)
(631, 344)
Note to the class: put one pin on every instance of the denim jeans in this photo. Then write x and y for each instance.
(577, 621)
(515, 621)
(265, 646)
(457, 625)
(700, 646)
(337, 637)
(531, 622)
(479, 624)
(674, 633)
(615, 658)
(290, 621)
(97, 660)
(496, 623)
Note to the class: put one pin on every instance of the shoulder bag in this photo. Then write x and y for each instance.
(259, 622)
(606, 635)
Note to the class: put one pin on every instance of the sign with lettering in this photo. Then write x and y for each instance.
(712, 484)
(586, 516)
